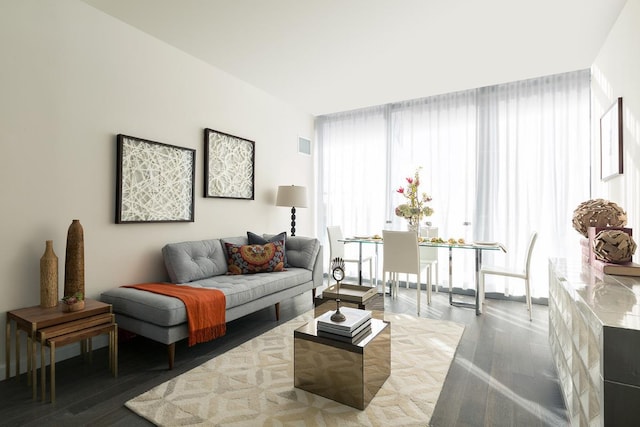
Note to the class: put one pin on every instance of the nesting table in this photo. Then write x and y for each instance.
(53, 327)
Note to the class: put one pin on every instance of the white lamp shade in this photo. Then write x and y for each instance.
(292, 196)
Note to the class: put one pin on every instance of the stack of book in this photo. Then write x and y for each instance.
(352, 330)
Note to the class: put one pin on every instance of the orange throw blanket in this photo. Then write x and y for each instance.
(205, 308)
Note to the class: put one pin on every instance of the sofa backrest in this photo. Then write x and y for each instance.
(200, 259)
(302, 251)
(195, 260)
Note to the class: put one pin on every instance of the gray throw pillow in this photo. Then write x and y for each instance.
(256, 239)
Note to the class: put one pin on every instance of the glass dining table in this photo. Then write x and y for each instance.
(477, 247)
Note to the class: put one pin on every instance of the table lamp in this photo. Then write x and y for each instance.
(292, 195)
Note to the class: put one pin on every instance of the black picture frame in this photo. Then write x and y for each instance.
(155, 181)
(611, 160)
(229, 166)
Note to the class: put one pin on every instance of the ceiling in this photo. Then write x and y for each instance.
(326, 56)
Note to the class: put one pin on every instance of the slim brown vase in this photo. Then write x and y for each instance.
(74, 261)
(48, 277)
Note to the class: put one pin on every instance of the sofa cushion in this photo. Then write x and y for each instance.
(238, 289)
(240, 240)
(242, 289)
(302, 251)
(250, 259)
(195, 260)
(256, 239)
(153, 308)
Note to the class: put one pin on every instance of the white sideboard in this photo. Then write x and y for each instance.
(594, 333)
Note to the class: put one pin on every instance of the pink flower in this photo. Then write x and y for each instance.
(414, 210)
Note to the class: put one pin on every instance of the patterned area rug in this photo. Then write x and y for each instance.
(252, 385)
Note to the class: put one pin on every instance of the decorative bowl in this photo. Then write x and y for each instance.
(76, 306)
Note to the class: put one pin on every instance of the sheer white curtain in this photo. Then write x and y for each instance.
(438, 134)
(352, 184)
(509, 159)
(533, 170)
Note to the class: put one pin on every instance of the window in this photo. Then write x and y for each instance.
(508, 159)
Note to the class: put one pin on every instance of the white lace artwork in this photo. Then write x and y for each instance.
(157, 182)
(230, 166)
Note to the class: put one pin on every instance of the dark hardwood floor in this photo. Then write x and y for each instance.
(502, 375)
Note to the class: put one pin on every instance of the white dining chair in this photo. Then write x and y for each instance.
(429, 257)
(428, 260)
(506, 272)
(337, 250)
(400, 254)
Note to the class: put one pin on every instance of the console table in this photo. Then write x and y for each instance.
(594, 334)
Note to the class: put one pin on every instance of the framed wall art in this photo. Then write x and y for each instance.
(611, 142)
(229, 166)
(155, 181)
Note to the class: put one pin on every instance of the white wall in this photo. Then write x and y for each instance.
(71, 79)
(615, 73)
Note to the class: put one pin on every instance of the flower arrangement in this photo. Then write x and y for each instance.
(415, 208)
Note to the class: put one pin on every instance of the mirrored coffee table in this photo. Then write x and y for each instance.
(348, 373)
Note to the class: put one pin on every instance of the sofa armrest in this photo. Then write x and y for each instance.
(302, 251)
(305, 252)
(318, 269)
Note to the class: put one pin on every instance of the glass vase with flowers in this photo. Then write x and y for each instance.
(415, 208)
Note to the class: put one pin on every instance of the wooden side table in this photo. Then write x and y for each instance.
(32, 319)
(82, 330)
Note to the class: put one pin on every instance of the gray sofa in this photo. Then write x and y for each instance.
(203, 263)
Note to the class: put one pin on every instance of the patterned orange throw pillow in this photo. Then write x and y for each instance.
(249, 259)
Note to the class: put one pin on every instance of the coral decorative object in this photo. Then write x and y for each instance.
(49, 277)
(74, 262)
(614, 246)
(598, 213)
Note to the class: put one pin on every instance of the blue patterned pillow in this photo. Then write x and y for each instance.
(250, 259)
(256, 239)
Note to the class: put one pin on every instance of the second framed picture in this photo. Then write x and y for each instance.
(229, 166)
(611, 162)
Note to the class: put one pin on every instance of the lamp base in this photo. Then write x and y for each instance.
(293, 221)
(337, 316)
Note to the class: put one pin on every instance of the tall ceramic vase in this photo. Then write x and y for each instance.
(74, 261)
(48, 277)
